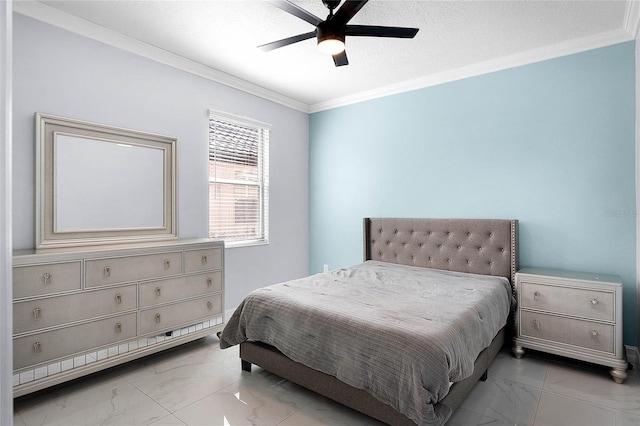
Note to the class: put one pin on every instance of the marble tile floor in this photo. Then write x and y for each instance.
(199, 384)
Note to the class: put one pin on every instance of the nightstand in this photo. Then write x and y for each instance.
(573, 314)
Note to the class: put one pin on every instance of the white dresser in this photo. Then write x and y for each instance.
(77, 312)
(573, 314)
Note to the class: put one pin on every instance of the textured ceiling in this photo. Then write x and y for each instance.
(223, 35)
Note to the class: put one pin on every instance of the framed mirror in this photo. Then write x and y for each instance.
(98, 184)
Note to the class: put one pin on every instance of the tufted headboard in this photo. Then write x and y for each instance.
(479, 246)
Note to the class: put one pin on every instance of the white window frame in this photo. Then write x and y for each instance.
(263, 175)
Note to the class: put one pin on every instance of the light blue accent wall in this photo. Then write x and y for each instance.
(551, 144)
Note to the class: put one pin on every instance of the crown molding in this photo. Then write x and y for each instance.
(50, 15)
(632, 18)
(42, 12)
(511, 61)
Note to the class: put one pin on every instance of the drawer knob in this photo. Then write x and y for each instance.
(204, 260)
(37, 313)
(594, 333)
(158, 318)
(536, 295)
(594, 301)
(47, 278)
(118, 298)
(209, 305)
(107, 271)
(209, 282)
(536, 324)
(118, 327)
(158, 292)
(37, 347)
(167, 264)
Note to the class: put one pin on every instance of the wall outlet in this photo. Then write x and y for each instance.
(325, 268)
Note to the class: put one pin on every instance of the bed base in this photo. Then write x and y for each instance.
(274, 361)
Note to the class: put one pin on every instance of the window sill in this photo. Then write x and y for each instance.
(240, 244)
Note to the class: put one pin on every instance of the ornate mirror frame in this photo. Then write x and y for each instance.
(150, 158)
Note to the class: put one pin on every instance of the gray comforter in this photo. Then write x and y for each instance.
(400, 333)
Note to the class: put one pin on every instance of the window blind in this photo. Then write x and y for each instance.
(238, 179)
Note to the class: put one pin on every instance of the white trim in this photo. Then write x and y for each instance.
(240, 120)
(263, 129)
(637, 36)
(85, 28)
(511, 61)
(242, 244)
(632, 18)
(90, 30)
(6, 324)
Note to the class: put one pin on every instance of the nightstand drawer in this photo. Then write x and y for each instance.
(52, 311)
(593, 304)
(585, 334)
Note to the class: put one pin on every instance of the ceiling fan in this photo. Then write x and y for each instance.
(332, 31)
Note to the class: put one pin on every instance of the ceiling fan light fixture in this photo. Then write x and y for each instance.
(331, 31)
(330, 40)
(331, 46)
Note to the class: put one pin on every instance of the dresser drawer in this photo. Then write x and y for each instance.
(47, 346)
(585, 334)
(51, 311)
(164, 291)
(132, 268)
(202, 260)
(179, 314)
(37, 280)
(594, 304)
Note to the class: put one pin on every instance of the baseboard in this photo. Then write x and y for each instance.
(633, 356)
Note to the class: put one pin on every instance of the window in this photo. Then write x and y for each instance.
(238, 179)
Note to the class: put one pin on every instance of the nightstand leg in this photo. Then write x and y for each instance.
(618, 374)
(518, 351)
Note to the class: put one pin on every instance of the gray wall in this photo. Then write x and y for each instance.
(58, 72)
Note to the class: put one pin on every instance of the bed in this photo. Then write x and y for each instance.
(373, 337)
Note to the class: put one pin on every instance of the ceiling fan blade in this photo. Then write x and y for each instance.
(378, 31)
(340, 59)
(297, 11)
(347, 10)
(286, 41)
